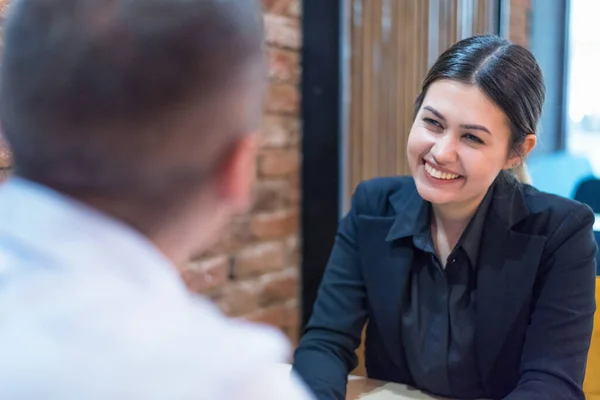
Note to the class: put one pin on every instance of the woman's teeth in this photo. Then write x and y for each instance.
(439, 174)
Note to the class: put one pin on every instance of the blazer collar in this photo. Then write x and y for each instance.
(509, 203)
(411, 213)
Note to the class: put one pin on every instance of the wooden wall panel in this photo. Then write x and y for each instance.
(389, 46)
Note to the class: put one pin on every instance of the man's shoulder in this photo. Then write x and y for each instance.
(101, 307)
(242, 338)
(138, 341)
(97, 304)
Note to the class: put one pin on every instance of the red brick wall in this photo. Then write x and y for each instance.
(253, 272)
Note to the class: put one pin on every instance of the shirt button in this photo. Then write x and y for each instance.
(453, 261)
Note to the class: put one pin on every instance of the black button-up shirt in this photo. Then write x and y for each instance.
(438, 324)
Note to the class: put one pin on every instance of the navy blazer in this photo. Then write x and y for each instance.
(535, 294)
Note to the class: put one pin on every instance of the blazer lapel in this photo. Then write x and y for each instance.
(387, 265)
(386, 271)
(507, 270)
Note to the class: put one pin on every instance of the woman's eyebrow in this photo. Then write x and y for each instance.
(464, 126)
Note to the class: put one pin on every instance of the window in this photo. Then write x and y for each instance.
(583, 91)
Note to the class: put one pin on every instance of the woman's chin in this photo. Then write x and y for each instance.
(434, 195)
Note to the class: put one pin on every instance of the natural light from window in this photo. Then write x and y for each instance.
(583, 124)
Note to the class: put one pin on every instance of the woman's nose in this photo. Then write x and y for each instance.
(445, 149)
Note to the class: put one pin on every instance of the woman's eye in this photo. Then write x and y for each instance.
(473, 138)
(433, 122)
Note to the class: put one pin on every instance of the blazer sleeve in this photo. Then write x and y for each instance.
(558, 337)
(326, 353)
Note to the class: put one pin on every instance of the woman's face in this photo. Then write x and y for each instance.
(458, 144)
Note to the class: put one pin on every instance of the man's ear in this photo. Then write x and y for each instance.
(518, 156)
(236, 181)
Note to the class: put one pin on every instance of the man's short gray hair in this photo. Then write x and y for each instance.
(89, 88)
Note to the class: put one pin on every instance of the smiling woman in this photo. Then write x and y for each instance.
(471, 281)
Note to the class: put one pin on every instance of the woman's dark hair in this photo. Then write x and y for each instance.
(507, 73)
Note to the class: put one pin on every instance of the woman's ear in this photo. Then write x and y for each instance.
(518, 156)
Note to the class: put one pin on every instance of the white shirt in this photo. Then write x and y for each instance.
(89, 309)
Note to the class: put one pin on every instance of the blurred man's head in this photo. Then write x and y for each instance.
(143, 108)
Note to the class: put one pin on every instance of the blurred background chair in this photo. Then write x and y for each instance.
(588, 192)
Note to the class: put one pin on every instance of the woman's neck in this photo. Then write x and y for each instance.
(448, 223)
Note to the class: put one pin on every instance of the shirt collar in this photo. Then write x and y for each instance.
(79, 237)
(412, 214)
(415, 222)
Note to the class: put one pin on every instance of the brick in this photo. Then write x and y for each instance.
(275, 224)
(291, 321)
(278, 162)
(282, 31)
(204, 275)
(290, 8)
(291, 315)
(278, 287)
(292, 248)
(259, 258)
(239, 298)
(280, 131)
(271, 195)
(283, 98)
(284, 65)
(295, 188)
(274, 315)
(234, 237)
